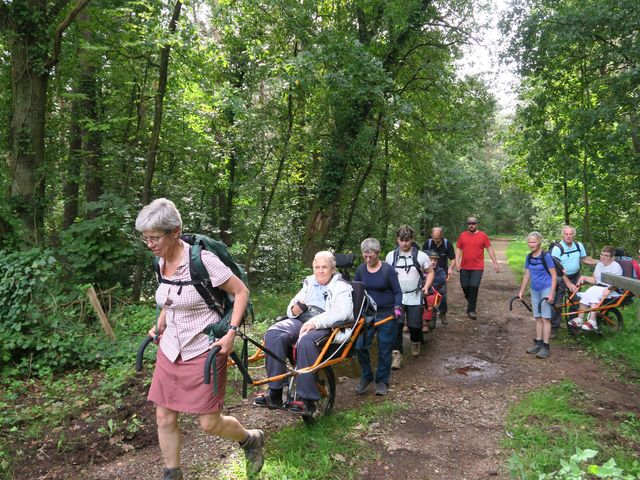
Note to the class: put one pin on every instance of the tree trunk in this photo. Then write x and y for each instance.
(359, 186)
(154, 141)
(29, 99)
(71, 186)
(384, 191)
(91, 138)
(27, 24)
(281, 163)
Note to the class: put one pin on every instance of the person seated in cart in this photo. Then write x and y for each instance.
(324, 301)
(594, 295)
(439, 285)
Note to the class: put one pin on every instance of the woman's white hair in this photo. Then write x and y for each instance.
(328, 255)
(161, 215)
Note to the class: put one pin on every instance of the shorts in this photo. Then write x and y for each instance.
(547, 309)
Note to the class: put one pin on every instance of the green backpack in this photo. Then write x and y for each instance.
(215, 298)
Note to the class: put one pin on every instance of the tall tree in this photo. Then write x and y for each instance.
(33, 31)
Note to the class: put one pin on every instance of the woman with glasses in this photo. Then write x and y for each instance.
(381, 281)
(178, 382)
(594, 295)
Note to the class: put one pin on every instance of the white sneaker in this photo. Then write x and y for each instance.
(590, 326)
(576, 322)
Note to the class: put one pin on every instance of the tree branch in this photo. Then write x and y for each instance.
(57, 41)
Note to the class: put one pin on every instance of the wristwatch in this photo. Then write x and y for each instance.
(233, 327)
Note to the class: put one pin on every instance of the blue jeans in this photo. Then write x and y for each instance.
(386, 338)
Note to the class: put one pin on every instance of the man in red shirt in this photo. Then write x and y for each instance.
(470, 246)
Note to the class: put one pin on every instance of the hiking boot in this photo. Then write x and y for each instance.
(415, 348)
(554, 331)
(306, 408)
(443, 318)
(537, 345)
(590, 326)
(396, 360)
(172, 474)
(544, 351)
(272, 398)
(472, 315)
(253, 452)
(363, 386)
(381, 389)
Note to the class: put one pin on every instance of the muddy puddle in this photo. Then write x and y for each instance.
(468, 367)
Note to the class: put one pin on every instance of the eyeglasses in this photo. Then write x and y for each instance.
(152, 240)
(604, 254)
(369, 255)
(472, 223)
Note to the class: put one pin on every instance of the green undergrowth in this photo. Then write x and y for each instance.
(333, 448)
(548, 426)
(33, 405)
(621, 351)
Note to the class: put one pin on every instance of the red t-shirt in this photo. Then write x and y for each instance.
(472, 246)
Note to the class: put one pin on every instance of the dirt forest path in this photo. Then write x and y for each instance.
(458, 392)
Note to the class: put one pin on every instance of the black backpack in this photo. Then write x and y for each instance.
(556, 262)
(430, 242)
(558, 243)
(215, 298)
(407, 266)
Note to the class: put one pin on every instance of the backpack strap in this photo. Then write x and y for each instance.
(201, 281)
(542, 258)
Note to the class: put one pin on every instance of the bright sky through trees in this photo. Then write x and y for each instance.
(482, 58)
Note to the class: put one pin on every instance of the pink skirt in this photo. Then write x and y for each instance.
(180, 386)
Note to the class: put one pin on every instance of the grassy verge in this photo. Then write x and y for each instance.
(331, 449)
(548, 426)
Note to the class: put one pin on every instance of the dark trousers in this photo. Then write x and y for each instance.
(561, 289)
(443, 303)
(386, 339)
(279, 339)
(470, 283)
(412, 314)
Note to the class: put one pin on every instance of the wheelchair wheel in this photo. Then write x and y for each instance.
(609, 322)
(327, 386)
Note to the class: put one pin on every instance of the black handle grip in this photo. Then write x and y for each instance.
(140, 354)
(513, 299)
(209, 362)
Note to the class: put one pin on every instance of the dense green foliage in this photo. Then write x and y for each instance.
(279, 127)
(574, 139)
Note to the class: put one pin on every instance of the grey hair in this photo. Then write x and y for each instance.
(569, 227)
(536, 235)
(370, 245)
(161, 214)
(328, 255)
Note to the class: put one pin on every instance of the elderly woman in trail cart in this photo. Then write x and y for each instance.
(594, 295)
(177, 384)
(540, 269)
(324, 301)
